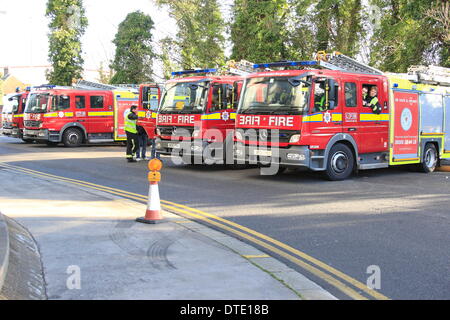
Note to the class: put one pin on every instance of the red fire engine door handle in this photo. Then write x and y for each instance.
(351, 129)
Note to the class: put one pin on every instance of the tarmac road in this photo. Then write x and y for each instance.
(395, 221)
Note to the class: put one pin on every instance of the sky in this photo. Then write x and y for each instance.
(24, 34)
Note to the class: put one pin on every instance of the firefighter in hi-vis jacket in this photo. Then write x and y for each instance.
(131, 131)
(372, 100)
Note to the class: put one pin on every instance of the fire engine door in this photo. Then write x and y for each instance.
(100, 113)
(325, 116)
(373, 131)
(351, 99)
(150, 97)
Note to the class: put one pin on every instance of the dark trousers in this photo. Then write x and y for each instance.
(132, 144)
(142, 150)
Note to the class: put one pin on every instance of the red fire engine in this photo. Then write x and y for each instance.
(328, 120)
(196, 115)
(86, 113)
(12, 115)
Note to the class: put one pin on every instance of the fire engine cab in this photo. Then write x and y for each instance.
(197, 113)
(86, 113)
(344, 117)
(12, 115)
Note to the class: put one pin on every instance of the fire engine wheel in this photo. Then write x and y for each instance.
(430, 159)
(72, 137)
(340, 163)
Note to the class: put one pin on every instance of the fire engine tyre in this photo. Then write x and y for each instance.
(72, 138)
(430, 159)
(340, 163)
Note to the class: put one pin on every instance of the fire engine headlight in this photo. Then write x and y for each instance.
(158, 132)
(41, 134)
(239, 135)
(294, 138)
(196, 132)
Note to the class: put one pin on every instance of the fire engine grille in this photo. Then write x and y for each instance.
(7, 125)
(32, 123)
(177, 131)
(268, 135)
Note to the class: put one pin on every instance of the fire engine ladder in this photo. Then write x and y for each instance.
(340, 62)
(90, 85)
(84, 84)
(240, 68)
(429, 75)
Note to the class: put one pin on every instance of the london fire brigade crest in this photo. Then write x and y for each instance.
(225, 116)
(327, 117)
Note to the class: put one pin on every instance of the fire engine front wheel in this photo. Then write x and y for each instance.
(72, 137)
(340, 163)
(430, 159)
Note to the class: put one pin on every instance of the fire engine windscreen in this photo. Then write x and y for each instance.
(274, 95)
(184, 97)
(11, 104)
(37, 103)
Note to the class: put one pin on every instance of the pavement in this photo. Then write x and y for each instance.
(90, 247)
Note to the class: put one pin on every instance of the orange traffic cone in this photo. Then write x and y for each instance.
(153, 212)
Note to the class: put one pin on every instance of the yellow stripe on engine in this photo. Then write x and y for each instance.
(336, 117)
(50, 115)
(374, 117)
(211, 116)
(313, 118)
(100, 113)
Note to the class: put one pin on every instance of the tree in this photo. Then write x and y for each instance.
(412, 32)
(104, 76)
(326, 25)
(133, 61)
(258, 30)
(168, 56)
(200, 37)
(67, 24)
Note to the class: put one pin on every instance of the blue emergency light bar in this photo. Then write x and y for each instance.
(178, 73)
(285, 64)
(46, 86)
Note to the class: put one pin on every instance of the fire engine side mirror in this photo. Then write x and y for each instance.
(332, 93)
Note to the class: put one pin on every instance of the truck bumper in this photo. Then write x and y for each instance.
(11, 132)
(193, 151)
(189, 148)
(294, 156)
(41, 135)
